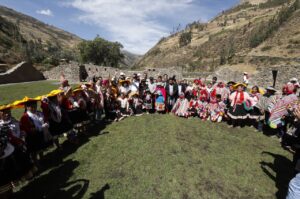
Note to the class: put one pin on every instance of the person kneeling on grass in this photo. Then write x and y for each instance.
(181, 107)
(124, 107)
(217, 109)
(136, 104)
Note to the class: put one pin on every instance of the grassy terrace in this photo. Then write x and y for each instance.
(159, 156)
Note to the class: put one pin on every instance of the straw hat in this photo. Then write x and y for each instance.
(21, 103)
(54, 93)
(239, 84)
(5, 107)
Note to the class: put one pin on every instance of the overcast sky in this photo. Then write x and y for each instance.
(137, 24)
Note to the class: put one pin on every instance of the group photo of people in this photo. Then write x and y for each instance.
(69, 110)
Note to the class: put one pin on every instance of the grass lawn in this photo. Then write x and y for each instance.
(162, 156)
(12, 92)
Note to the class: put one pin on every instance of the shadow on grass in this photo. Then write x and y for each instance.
(55, 184)
(283, 169)
(55, 157)
(100, 194)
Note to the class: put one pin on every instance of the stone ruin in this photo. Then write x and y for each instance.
(76, 72)
(262, 77)
(23, 72)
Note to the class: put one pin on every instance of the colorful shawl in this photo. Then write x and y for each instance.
(281, 108)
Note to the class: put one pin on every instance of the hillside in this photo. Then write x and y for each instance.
(22, 36)
(253, 33)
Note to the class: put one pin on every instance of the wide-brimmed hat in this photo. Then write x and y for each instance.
(26, 101)
(54, 93)
(231, 82)
(131, 94)
(76, 90)
(271, 88)
(125, 81)
(5, 107)
(122, 74)
(239, 84)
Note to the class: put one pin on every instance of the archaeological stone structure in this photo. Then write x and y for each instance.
(263, 75)
(23, 72)
(76, 72)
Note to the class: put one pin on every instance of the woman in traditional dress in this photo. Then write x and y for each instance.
(160, 100)
(237, 112)
(203, 105)
(181, 107)
(194, 106)
(283, 106)
(255, 115)
(148, 101)
(36, 130)
(56, 116)
(124, 107)
(15, 161)
(216, 109)
(136, 104)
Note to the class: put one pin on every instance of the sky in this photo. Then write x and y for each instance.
(137, 24)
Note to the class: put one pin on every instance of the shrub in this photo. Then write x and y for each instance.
(265, 29)
(266, 48)
(185, 38)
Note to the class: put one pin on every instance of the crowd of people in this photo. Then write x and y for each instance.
(68, 111)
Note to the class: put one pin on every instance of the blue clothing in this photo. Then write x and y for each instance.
(294, 188)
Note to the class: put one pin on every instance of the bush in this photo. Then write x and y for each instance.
(266, 48)
(185, 38)
(272, 3)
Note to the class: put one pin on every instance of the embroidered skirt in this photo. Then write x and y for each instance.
(237, 112)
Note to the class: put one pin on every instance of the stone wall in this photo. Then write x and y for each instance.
(23, 72)
(263, 75)
(74, 72)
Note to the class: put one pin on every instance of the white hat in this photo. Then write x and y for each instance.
(245, 73)
(271, 88)
(139, 74)
(122, 74)
(294, 79)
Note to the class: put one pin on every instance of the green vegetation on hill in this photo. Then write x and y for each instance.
(266, 29)
(25, 38)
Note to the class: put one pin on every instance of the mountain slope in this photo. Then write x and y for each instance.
(22, 36)
(253, 33)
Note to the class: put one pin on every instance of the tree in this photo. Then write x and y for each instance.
(100, 51)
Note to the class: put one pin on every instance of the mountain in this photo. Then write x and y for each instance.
(129, 59)
(22, 36)
(252, 34)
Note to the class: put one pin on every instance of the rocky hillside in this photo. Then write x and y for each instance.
(253, 34)
(22, 36)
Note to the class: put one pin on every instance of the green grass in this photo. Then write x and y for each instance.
(163, 156)
(10, 93)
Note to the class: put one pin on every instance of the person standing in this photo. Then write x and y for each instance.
(172, 93)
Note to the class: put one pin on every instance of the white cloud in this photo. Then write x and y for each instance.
(137, 24)
(46, 12)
